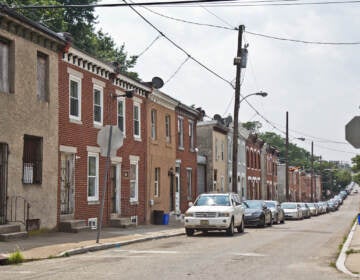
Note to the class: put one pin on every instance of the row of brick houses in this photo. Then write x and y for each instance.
(54, 100)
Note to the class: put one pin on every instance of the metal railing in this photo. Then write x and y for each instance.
(18, 210)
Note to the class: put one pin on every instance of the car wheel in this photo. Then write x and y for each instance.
(240, 228)
(262, 221)
(271, 221)
(189, 231)
(277, 220)
(230, 230)
(283, 220)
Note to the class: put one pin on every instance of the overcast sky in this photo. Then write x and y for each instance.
(317, 84)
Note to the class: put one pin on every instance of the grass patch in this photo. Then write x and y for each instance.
(15, 258)
(39, 231)
(332, 264)
(352, 251)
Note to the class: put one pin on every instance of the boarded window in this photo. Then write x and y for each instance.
(32, 160)
(4, 66)
(42, 77)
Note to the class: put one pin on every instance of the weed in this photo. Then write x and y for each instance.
(15, 258)
(332, 264)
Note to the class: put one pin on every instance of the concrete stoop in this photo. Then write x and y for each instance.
(11, 231)
(74, 226)
(121, 222)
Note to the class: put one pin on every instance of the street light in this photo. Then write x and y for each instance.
(235, 138)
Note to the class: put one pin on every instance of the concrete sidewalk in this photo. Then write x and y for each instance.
(55, 244)
(352, 262)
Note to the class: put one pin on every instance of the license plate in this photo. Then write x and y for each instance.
(204, 222)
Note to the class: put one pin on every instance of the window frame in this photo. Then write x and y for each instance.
(35, 171)
(191, 135)
(181, 132)
(121, 100)
(157, 182)
(153, 117)
(135, 181)
(95, 197)
(78, 81)
(101, 105)
(168, 128)
(137, 120)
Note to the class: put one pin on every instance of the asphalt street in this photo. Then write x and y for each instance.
(305, 249)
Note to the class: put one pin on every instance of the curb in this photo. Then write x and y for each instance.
(94, 248)
(340, 262)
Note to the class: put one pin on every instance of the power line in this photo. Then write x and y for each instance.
(221, 19)
(178, 69)
(180, 48)
(149, 46)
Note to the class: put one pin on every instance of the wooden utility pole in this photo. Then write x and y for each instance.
(287, 158)
(237, 62)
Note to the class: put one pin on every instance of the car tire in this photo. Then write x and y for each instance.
(271, 221)
(241, 228)
(189, 231)
(262, 221)
(277, 220)
(230, 230)
(283, 220)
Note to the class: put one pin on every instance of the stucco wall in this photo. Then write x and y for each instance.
(22, 113)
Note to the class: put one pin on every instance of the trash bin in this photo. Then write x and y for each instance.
(359, 219)
(158, 217)
(165, 219)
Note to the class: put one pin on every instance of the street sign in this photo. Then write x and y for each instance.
(117, 139)
(352, 132)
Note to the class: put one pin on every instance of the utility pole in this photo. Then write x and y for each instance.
(237, 62)
(287, 158)
(312, 172)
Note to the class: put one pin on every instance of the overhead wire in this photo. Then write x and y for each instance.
(149, 46)
(177, 70)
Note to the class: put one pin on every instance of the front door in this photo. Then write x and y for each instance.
(115, 189)
(177, 190)
(3, 181)
(67, 196)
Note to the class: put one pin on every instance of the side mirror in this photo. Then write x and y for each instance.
(191, 204)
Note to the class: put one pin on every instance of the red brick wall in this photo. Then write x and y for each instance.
(85, 134)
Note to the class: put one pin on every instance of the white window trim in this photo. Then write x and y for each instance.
(189, 195)
(157, 182)
(96, 197)
(181, 131)
(168, 131)
(137, 137)
(153, 117)
(101, 90)
(122, 100)
(135, 160)
(78, 81)
(191, 135)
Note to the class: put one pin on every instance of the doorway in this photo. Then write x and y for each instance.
(3, 181)
(67, 192)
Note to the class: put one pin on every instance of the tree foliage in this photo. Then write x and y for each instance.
(80, 23)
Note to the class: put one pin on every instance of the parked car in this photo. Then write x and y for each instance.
(305, 210)
(314, 210)
(332, 205)
(215, 211)
(257, 213)
(277, 212)
(292, 210)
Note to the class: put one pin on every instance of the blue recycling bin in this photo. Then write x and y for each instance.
(359, 219)
(166, 219)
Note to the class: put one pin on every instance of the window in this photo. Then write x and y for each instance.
(98, 105)
(75, 98)
(191, 135)
(189, 183)
(167, 128)
(4, 65)
(222, 150)
(42, 77)
(153, 124)
(134, 184)
(137, 121)
(121, 115)
(157, 182)
(93, 177)
(32, 160)
(216, 150)
(181, 132)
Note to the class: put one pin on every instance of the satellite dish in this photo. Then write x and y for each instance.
(157, 82)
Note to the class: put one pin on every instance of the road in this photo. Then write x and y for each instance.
(303, 249)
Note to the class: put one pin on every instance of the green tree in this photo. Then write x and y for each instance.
(253, 127)
(356, 168)
(80, 23)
